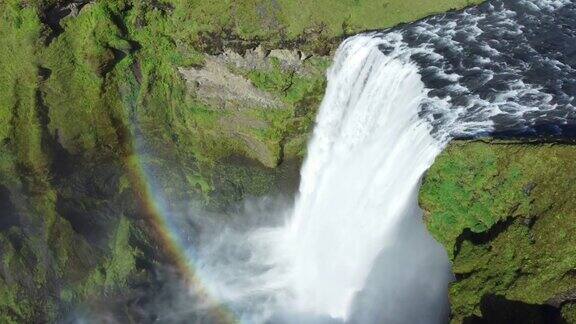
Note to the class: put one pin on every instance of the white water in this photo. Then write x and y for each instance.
(352, 247)
(368, 152)
(356, 213)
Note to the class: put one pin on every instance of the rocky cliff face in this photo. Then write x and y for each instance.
(195, 91)
(216, 99)
(505, 212)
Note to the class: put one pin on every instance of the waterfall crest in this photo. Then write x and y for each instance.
(367, 154)
(353, 247)
(356, 214)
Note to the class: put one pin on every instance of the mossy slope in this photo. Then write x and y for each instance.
(85, 86)
(506, 214)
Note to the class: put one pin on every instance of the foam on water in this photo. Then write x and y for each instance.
(353, 247)
(357, 195)
(367, 154)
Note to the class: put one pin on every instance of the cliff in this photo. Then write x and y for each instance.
(505, 212)
(215, 99)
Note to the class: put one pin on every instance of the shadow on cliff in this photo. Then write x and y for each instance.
(499, 310)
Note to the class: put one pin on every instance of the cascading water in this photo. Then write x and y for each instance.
(353, 247)
(359, 185)
(366, 157)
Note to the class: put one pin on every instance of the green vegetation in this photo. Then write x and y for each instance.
(302, 94)
(82, 94)
(79, 61)
(312, 22)
(47, 256)
(19, 121)
(117, 266)
(357, 15)
(569, 313)
(505, 212)
(461, 186)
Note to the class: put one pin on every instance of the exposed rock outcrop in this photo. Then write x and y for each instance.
(216, 86)
(85, 88)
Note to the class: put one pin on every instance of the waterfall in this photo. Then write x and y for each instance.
(353, 247)
(356, 209)
(360, 179)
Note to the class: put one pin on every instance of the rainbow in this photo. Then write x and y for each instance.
(163, 231)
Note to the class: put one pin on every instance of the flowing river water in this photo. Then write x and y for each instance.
(352, 247)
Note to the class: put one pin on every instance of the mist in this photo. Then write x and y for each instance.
(351, 246)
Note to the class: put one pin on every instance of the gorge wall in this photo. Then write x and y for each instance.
(90, 91)
(218, 103)
(504, 212)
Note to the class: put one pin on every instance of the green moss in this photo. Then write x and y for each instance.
(505, 213)
(238, 178)
(13, 308)
(112, 273)
(461, 186)
(237, 181)
(301, 93)
(287, 84)
(22, 281)
(124, 183)
(121, 262)
(569, 313)
(286, 20)
(79, 60)
(19, 39)
(296, 147)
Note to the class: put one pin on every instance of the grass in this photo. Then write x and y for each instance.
(351, 16)
(19, 125)
(520, 202)
(288, 20)
(113, 73)
(79, 60)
